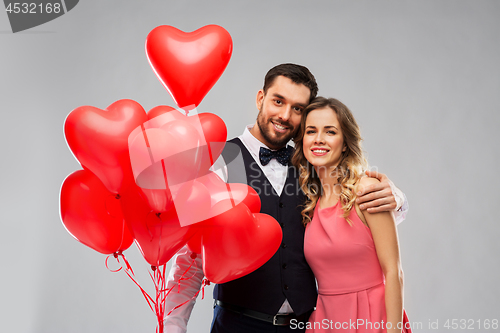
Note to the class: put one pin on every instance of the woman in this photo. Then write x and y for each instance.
(350, 251)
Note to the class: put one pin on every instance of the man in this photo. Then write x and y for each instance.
(283, 289)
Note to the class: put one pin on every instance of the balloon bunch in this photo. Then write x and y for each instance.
(149, 176)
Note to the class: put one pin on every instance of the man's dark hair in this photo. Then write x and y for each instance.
(297, 73)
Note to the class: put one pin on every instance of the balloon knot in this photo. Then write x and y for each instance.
(193, 255)
(158, 215)
(153, 268)
(118, 197)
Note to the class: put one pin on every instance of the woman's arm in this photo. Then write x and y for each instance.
(385, 237)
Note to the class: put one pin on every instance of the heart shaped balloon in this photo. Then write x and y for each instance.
(238, 243)
(99, 140)
(223, 197)
(158, 236)
(160, 164)
(188, 64)
(171, 149)
(92, 214)
(208, 196)
(210, 127)
(192, 203)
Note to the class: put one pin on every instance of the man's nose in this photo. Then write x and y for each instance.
(285, 112)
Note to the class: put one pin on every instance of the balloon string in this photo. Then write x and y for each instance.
(233, 204)
(158, 278)
(202, 289)
(147, 144)
(128, 270)
(204, 283)
(157, 305)
(182, 278)
(109, 269)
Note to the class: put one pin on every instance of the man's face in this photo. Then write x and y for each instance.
(280, 111)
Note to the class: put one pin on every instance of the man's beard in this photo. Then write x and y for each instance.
(278, 141)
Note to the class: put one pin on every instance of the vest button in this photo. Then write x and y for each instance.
(283, 245)
(282, 225)
(281, 205)
(284, 266)
(285, 287)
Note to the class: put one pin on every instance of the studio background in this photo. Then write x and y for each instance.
(421, 77)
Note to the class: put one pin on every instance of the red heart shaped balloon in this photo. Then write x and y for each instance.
(194, 244)
(209, 196)
(227, 195)
(238, 243)
(99, 140)
(192, 203)
(215, 132)
(92, 214)
(158, 236)
(210, 127)
(220, 192)
(171, 149)
(188, 64)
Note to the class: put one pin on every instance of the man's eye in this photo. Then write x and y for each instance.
(277, 101)
(298, 109)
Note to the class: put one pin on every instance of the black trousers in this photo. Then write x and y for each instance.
(227, 321)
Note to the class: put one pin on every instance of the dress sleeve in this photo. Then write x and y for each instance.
(177, 321)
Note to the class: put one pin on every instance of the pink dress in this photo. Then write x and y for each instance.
(350, 280)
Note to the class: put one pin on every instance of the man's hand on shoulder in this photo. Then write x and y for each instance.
(378, 196)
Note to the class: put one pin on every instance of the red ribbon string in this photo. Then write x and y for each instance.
(109, 269)
(204, 283)
(157, 305)
(128, 270)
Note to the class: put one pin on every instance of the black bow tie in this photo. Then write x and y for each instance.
(282, 155)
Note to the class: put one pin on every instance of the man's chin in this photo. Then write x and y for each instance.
(280, 141)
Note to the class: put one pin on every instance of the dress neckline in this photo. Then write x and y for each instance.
(333, 206)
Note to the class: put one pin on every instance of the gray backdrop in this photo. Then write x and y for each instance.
(422, 78)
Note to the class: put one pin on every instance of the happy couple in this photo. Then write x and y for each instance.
(338, 224)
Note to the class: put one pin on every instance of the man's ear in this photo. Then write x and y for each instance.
(259, 99)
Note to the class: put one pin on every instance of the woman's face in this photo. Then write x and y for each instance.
(323, 141)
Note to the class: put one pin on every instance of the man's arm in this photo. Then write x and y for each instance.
(177, 321)
(382, 197)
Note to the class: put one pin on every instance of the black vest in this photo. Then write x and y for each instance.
(286, 274)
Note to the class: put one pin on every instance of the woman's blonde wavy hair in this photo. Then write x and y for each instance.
(350, 168)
